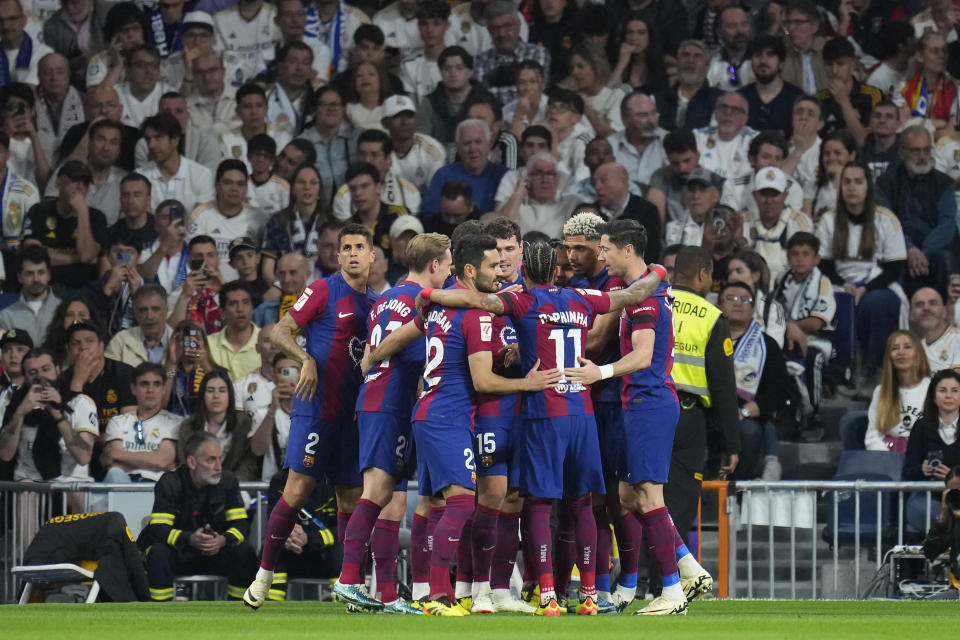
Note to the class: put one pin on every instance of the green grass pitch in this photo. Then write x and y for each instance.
(737, 620)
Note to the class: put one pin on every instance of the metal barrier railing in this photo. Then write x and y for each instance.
(795, 510)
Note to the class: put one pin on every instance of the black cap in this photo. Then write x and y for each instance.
(242, 242)
(16, 336)
(76, 171)
(83, 325)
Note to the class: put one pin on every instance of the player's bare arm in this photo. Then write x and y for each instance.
(604, 330)
(463, 299)
(284, 338)
(639, 358)
(638, 291)
(486, 381)
(394, 343)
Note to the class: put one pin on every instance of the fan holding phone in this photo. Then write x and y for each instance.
(197, 299)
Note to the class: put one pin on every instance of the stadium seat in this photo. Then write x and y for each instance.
(877, 466)
(51, 574)
(297, 588)
(197, 582)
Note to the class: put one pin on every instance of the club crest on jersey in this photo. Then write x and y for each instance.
(252, 387)
(486, 461)
(308, 461)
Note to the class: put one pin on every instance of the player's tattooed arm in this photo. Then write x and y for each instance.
(284, 338)
(467, 299)
(638, 291)
(394, 343)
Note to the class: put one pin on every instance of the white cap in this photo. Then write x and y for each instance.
(198, 17)
(770, 178)
(397, 104)
(406, 223)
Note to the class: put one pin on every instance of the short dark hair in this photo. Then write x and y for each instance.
(362, 169)
(196, 441)
(471, 249)
(120, 16)
(250, 89)
(262, 143)
(232, 287)
(34, 254)
(140, 48)
(812, 100)
(369, 33)
(377, 135)
(464, 229)
(105, 124)
(504, 228)
(490, 101)
(433, 9)
(894, 35)
(536, 131)
(306, 148)
(148, 289)
(773, 44)
(164, 124)
(355, 229)
(296, 45)
(624, 232)
(133, 176)
(144, 368)
(453, 189)
(739, 285)
(127, 239)
(771, 137)
(804, 239)
(806, 7)
(671, 250)
(679, 141)
(201, 239)
(838, 48)
(570, 98)
(231, 164)
(21, 91)
(690, 261)
(453, 52)
(529, 65)
(39, 352)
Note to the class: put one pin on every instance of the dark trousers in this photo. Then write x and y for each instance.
(238, 564)
(682, 491)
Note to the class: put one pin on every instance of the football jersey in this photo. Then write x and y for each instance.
(268, 198)
(332, 316)
(552, 326)
(234, 146)
(656, 312)
(17, 196)
(451, 336)
(253, 392)
(247, 46)
(491, 404)
(207, 220)
(604, 390)
(421, 162)
(147, 438)
(392, 385)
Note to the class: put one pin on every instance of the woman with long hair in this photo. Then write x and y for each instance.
(187, 361)
(640, 61)
(216, 413)
(371, 86)
(76, 308)
(590, 71)
(898, 400)
(838, 149)
(295, 228)
(750, 268)
(863, 250)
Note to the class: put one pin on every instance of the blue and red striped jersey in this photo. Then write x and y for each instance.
(332, 317)
(392, 385)
(500, 406)
(604, 390)
(656, 313)
(552, 324)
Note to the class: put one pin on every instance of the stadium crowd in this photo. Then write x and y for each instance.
(203, 202)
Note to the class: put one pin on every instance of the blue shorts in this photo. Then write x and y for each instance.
(324, 451)
(385, 443)
(444, 456)
(609, 416)
(648, 440)
(561, 456)
(494, 445)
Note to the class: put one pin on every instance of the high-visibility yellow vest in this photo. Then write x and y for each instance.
(693, 320)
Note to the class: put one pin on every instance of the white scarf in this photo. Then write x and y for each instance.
(749, 357)
(805, 302)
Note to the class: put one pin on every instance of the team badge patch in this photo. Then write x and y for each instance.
(728, 347)
(486, 461)
(252, 387)
(308, 461)
(111, 396)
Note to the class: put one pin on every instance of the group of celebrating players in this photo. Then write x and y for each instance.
(485, 388)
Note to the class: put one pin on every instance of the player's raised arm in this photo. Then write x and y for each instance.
(639, 358)
(284, 337)
(463, 299)
(639, 290)
(394, 343)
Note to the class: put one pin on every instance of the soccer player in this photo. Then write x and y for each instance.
(383, 419)
(331, 314)
(560, 455)
(459, 362)
(650, 412)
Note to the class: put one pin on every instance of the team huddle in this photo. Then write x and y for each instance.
(483, 389)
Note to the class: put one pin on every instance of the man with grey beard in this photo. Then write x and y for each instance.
(923, 200)
(690, 104)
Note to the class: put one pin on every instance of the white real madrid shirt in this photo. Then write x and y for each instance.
(82, 420)
(891, 245)
(423, 160)
(472, 36)
(399, 32)
(944, 352)
(326, 31)
(284, 113)
(771, 243)
(268, 198)
(191, 185)
(420, 76)
(135, 111)
(247, 46)
(234, 146)
(163, 426)
(207, 220)
(253, 392)
(396, 191)
(281, 424)
(726, 159)
(16, 197)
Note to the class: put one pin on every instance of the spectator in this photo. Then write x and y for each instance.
(420, 70)
(245, 259)
(297, 153)
(640, 63)
(896, 48)
(495, 66)
(846, 102)
(366, 188)
(271, 424)
(75, 31)
(530, 106)
(442, 110)
(216, 414)
(227, 217)
(292, 21)
(689, 104)
(377, 280)
(375, 147)
(102, 102)
(233, 347)
(252, 113)
(255, 390)
(923, 200)
(556, 27)
(762, 383)
(767, 229)
(210, 100)
(725, 148)
(837, 150)
(297, 227)
(22, 51)
(289, 97)
(19, 197)
(50, 438)
(931, 92)
(402, 231)
(750, 268)
(62, 106)
(201, 146)
(123, 29)
(167, 261)
(173, 176)
(266, 193)
(328, 249)
(456, 206)
(75, 308)
(246, 42)
(597, 153)
(503, 144)
(568, 137)
(27, 158)
(142, 444)
(197, 298)
(536, 139)
(333, 137)
(416, 156)
(590, 72)
(928, 318)
(104, 380)
(166, 22)
(14, 344)
(804, 65)
(103, 154)
(149, 340)
(699, 199)
(767, 149)
(366, 95)
(770, 99)
(119, 282)
(666, 191)
(37, 303)
(135, 218)
(370, 48)
(537, 203)
(187, 361)
(140, 93)
(865, 22)
(880, 147)
(616, 202)
(292, 273)
(639, 147)
(199, 523)
(473, 142)
(730, 67)
(942, 537)
(804, 156)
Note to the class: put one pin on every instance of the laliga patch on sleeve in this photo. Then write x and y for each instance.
(728, 347)
(298, 305)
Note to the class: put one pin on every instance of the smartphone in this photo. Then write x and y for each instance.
(290, 374)
(190, 339)
(196, 264)
(719, 218)
(123, 257)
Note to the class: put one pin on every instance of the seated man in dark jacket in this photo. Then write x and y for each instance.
(695, 108)
(944, 535)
